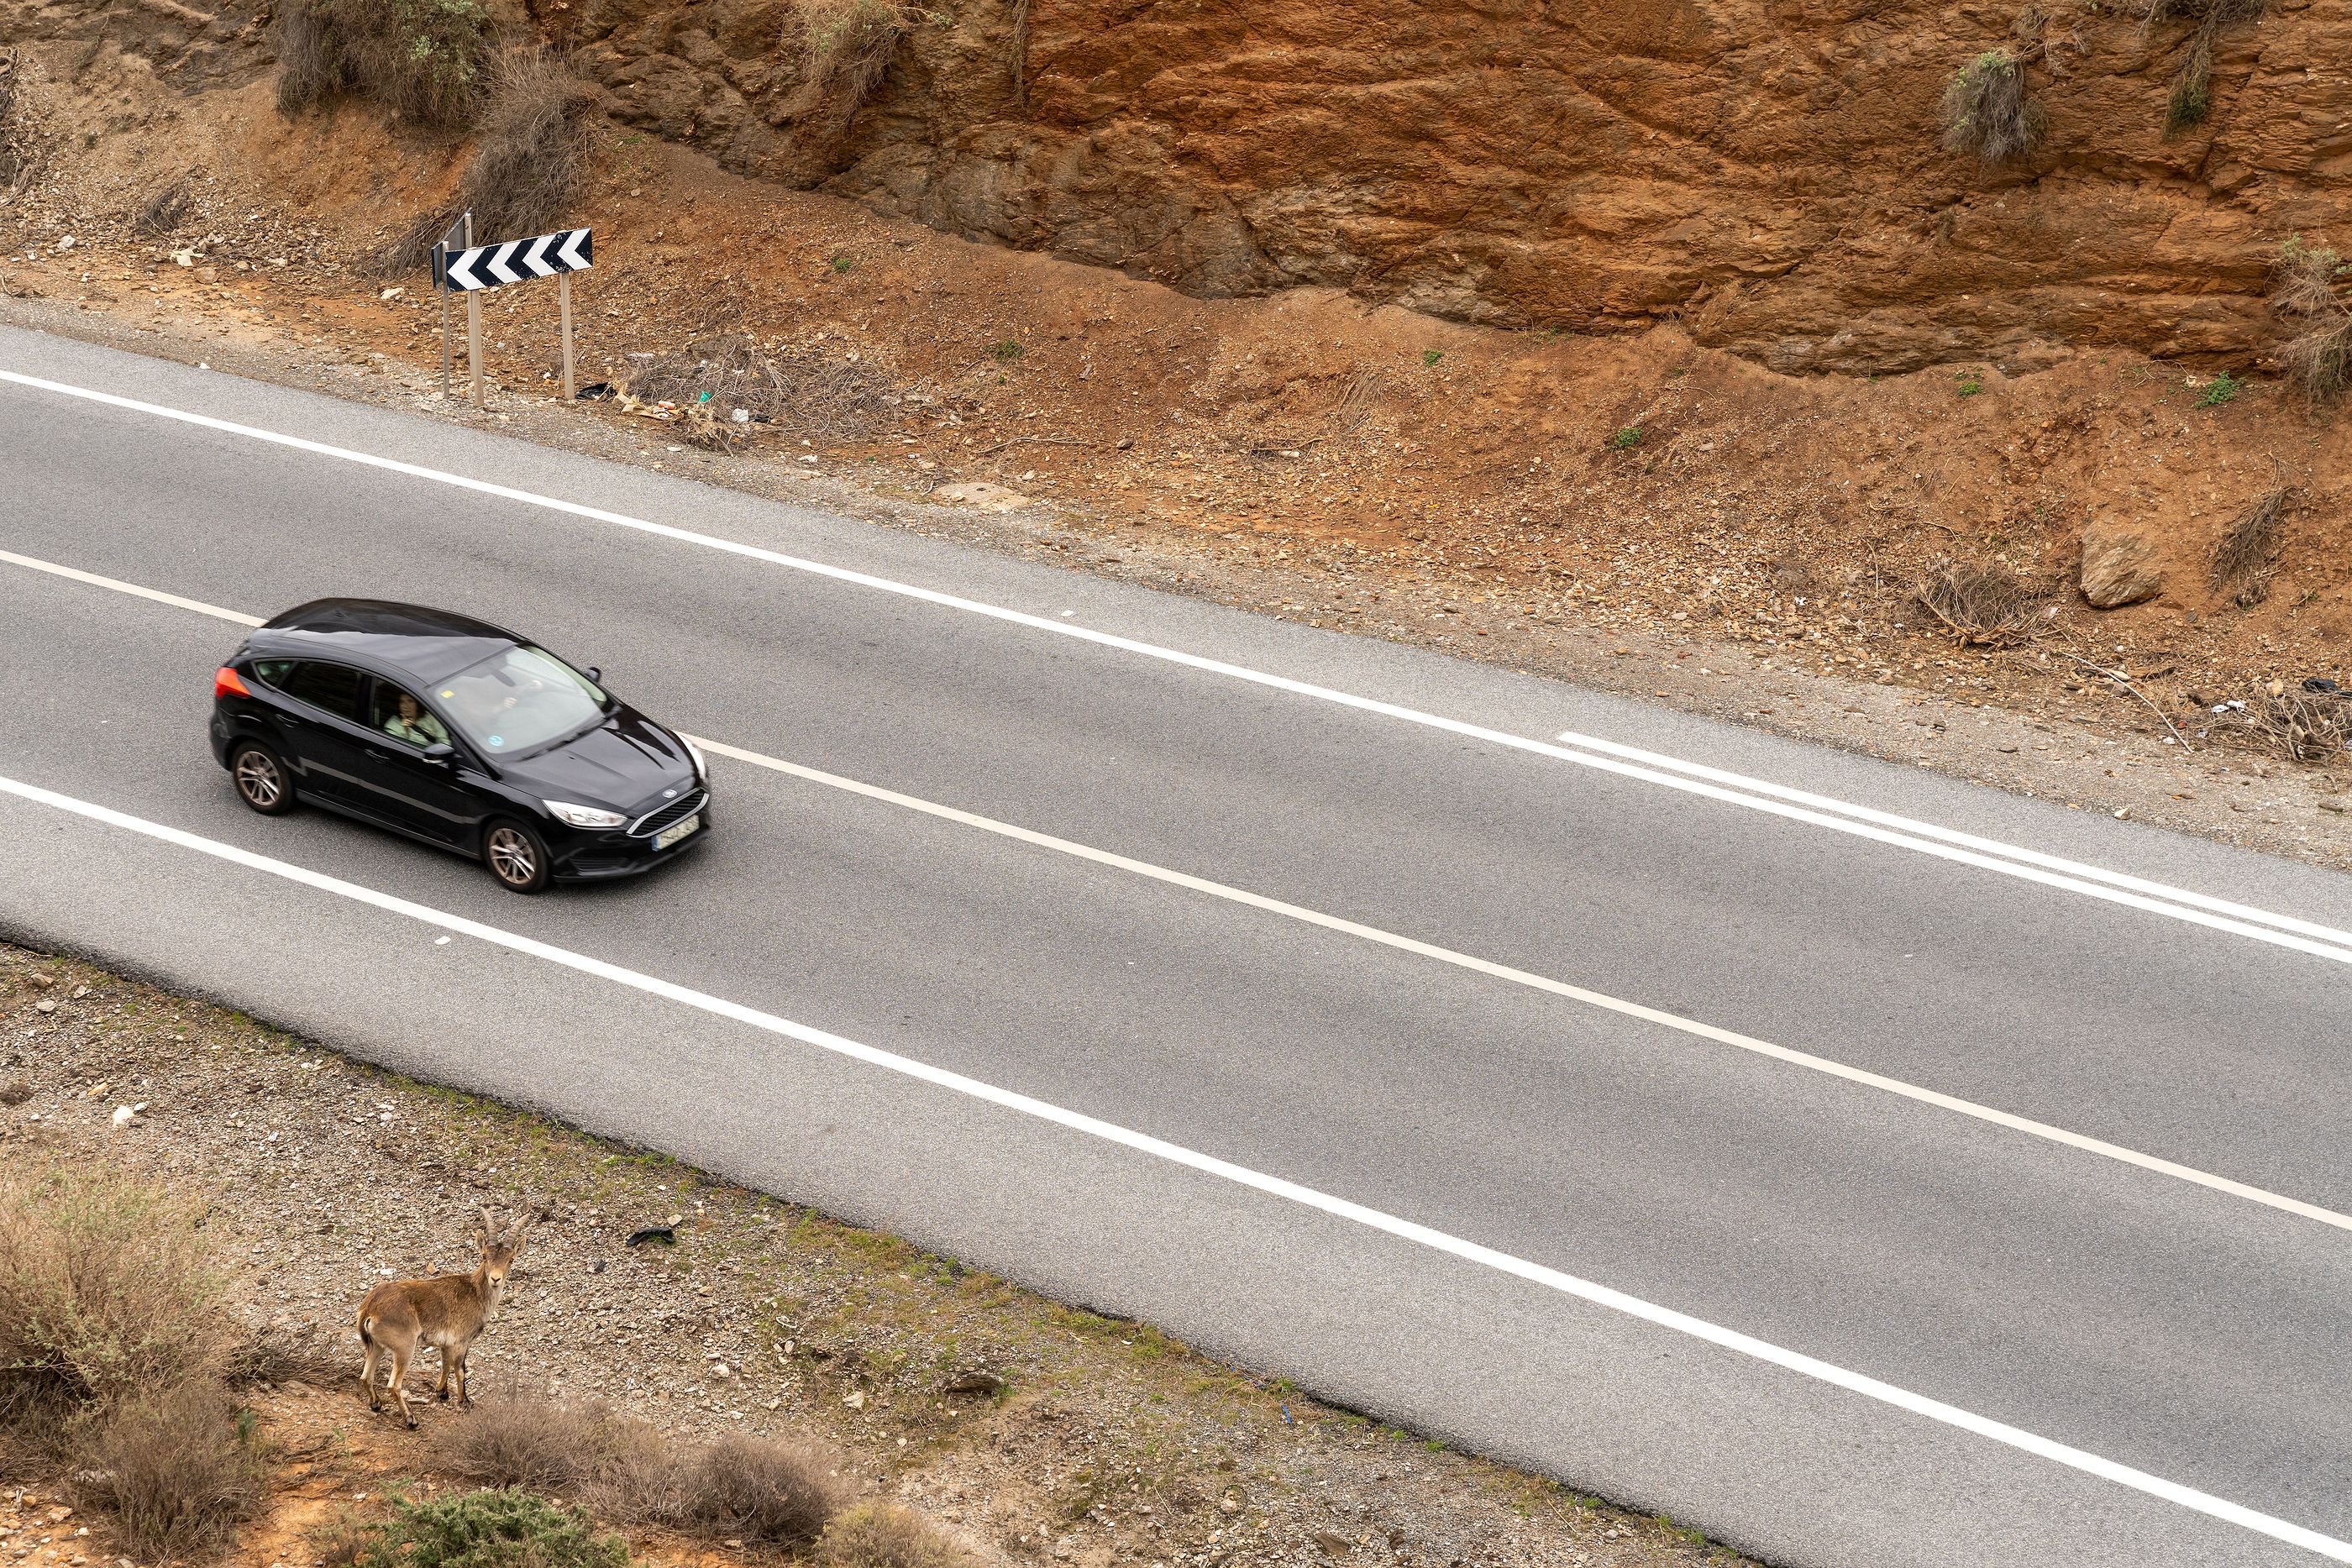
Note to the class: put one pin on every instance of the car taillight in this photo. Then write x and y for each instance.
(228, 682)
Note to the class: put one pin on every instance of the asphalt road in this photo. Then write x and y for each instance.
(1823, 1316)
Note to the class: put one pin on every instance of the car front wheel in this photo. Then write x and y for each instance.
(516, 857)
(261, 781)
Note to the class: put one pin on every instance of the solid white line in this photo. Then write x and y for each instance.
(1618, 1005)
(1225, 1170)
(1586, 751)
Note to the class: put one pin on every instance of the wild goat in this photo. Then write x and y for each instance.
(446, 1312)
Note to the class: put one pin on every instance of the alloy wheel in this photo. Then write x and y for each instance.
(258, 780)
(514, 860)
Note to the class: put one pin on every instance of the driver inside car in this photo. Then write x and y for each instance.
(411, 723)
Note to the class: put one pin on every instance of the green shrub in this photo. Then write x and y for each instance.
(1007, 351)
(1630, 436)
(489, 1529)
(2223, 388)
(1987, 112)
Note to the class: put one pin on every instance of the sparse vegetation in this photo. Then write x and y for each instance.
(424, 59)
(793, 388)
(531, 148)
(1007, 351)
(105, 1289)
(845, 48)
(882, 1535)
(2192, 100)
(2306, 290)
(840, 262)
(1983, 606)
(1987, 112)
(1970, 384)
(761, 1491)
(2223, 388)
(1429, 358)
(1629, 437)
(175, 1469)
(162, 212)
(16, 131)
(2300, 723)
(2244, 554)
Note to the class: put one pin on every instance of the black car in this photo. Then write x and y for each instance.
(454, 732)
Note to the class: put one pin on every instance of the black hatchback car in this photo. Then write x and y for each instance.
(458, 733)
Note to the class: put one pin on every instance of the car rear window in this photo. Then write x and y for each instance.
(519, 698)
(335, 688)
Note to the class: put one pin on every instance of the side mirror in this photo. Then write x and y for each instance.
(597, 675)
(441, 753)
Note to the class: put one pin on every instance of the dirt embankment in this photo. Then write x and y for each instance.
(1033, 1433)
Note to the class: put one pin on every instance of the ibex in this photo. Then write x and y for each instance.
(446, 1312)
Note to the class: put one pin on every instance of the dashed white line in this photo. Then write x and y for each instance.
(2314, 938)
(1600, 999)
(1274, 1187)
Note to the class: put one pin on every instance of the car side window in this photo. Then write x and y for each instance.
(336, 688)
(273, 671)
(399, 714)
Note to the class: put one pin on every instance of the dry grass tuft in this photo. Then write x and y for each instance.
(532, 148)
(795, 390)
(2192, 85)
(884, 1535)
(2243, 555)
(174, 1471)
(2301, 726)
(763, 1491)
(531, 1442)
(424, 59)
(162, 213)
(1983, 606)
(2304, 289)
(105, 1288)
(1987, 112)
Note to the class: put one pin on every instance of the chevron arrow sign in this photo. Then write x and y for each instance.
(518, 260)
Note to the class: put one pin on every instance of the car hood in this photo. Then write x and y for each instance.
(622, 765)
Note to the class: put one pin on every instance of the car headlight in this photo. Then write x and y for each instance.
(585, 816)
(701, 766)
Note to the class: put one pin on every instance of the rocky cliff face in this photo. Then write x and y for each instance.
(1767, 170)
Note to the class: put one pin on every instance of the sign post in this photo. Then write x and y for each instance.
(461, 234)
(557, 256)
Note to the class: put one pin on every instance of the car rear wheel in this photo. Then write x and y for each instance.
(516, 857)
(261, 780)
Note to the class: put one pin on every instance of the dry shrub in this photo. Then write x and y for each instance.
(641, 1476)
(105, 1288)
(18, 144)
(528, 1441)
(1987, 112)
(2300, 725)
(2318, 352)
(422, 59)
(532, 150)
(763, 1491)
(341, 1539)
(162, 213)
(2192, 85)
(2243, 554)
(845, 48)
(1983, 606)
(795, 389)
(884, 1535)
(173, 1470)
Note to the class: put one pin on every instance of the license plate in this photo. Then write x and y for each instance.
(671, 835)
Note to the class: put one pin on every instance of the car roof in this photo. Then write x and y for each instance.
(408, 638)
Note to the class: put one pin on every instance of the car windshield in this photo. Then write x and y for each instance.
(519, 698)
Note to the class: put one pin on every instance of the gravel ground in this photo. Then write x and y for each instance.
(1042, 1433)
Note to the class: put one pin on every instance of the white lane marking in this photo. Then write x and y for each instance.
(1600, 999)
(1586, 751)
(1226, 1170)
(158, 595)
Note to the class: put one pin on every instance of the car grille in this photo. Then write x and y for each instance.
(677, 812)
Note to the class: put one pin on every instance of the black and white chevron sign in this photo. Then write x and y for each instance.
(518, 260)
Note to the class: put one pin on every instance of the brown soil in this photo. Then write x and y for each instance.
(1634, 513)
(1107, 1444)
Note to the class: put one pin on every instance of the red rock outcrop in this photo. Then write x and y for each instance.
(1767, 170)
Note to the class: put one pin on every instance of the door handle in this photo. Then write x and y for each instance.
(373, 755)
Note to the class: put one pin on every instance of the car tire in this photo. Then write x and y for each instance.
(516, 856)
(261, 778)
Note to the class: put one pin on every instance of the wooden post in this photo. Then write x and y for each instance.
(564, 284)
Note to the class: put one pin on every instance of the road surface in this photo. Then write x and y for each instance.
(1866, 1168)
